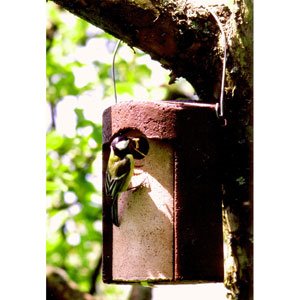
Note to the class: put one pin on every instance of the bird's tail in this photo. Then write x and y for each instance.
(114, 212)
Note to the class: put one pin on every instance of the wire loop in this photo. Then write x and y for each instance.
(113, 69)
(220, 107)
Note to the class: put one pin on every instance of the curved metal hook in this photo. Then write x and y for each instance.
(220, 107)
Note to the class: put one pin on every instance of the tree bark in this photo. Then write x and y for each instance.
(139, 292)
(185, 38)
(60, 287)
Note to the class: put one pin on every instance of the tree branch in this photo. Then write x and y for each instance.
(95, 275)
(182, 35)
(60, 287)
(139, 292)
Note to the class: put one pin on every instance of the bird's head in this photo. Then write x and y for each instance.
(123, 145)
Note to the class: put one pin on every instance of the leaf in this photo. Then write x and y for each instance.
(97, 135)
(54, 141)
(81, 120)
(125, 87)
(57, 185)
(52, 186)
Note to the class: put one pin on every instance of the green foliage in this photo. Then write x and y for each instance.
(78, 79)
(74, 208)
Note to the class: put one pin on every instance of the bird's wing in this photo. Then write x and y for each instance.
(116, 180)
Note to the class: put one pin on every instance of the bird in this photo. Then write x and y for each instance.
(120, 167)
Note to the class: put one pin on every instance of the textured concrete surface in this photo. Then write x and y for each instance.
(143, 244)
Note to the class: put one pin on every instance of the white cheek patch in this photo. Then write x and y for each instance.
(122, 145)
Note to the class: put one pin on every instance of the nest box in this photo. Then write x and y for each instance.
(171, 226)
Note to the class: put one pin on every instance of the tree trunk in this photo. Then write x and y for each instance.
(139, 292)
(185, 38)
(60, 287)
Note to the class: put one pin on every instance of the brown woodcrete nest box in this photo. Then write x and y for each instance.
(171, 224)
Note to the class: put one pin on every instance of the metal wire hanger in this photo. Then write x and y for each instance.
(113, 69)
(220, 105)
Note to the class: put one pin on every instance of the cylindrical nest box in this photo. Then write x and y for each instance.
(171, 223)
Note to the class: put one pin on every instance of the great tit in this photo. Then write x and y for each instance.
(120, 168)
